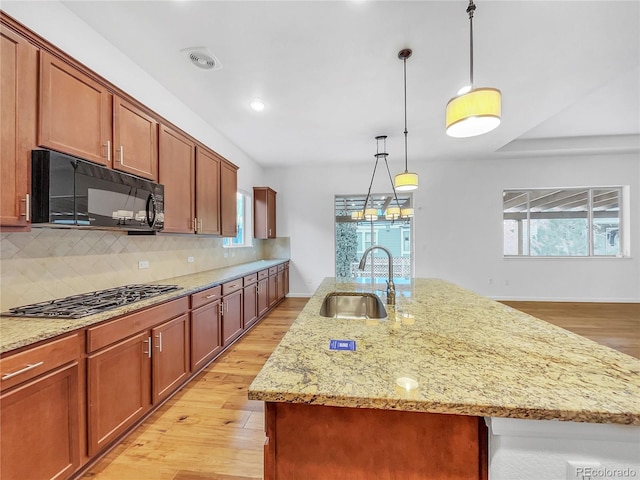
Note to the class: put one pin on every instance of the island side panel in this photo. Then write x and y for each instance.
(320, 442)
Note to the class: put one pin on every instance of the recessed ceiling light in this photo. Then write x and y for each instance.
(257, 105)
(202, 58)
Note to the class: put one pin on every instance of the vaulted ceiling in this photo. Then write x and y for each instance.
(329, 75)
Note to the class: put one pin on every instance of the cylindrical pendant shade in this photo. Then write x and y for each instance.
(474, 113)
(392, 213)
(406, 181)
(407, 212)
(371, 214)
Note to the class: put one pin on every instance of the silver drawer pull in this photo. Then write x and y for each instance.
(25, 369)
(159, 337)
(211, 296)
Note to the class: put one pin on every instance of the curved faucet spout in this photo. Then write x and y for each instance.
(391, 287)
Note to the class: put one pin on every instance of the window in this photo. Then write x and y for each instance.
(569, 222)
(245, 234)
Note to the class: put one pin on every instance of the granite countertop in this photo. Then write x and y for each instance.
(17, 332)
(467, 355)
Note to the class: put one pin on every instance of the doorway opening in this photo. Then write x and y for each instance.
(353, 237)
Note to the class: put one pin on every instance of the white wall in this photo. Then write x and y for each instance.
(458, 224)
(58, 25)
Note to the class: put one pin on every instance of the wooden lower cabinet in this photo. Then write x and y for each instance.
(206, 336)
(263, 292)
(119, 388)
(361, 444)
(231, 317)
(40, 427)
(170, 357)
(250, 304)
(273, 289)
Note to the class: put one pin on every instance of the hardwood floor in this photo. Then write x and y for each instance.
(616, 325)
(208, 430)
(211, 431)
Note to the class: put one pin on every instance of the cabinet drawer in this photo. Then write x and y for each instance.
(273, 270)
(232, 286)
(263, 274)
(108, 333)
(206, 296)
(281, 267)
(15, 369)
(249, 279)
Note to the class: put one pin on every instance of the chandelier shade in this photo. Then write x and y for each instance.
(406, 181)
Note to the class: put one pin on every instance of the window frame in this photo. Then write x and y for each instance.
(623, 222)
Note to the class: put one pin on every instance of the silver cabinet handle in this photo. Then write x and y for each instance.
(121, 150)
(193, 225)
(221, 308)
(211, 296)
(148, 341)
(159, 337)
(25, 369)
(199, 224)
(108, 147)
(27, 207)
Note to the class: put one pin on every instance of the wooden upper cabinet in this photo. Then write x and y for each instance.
(135, 136)
(264, 212)
(18, 83)
(228, 202)
(177, 174)
(207, 191)
(75, 111)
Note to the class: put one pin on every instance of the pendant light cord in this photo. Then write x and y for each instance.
(470, 9)
(404, 62)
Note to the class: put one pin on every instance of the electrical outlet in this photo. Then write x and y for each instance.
(189, 259)
(582, 470)
(142, 264)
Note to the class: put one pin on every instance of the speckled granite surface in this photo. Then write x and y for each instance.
(469, 355)
(16, 332)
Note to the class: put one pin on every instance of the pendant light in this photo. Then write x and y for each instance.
(477, 110)
(371, 213)
(405, 181)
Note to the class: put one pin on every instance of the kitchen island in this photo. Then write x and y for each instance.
(421, 381)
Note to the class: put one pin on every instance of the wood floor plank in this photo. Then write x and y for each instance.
(210, 430)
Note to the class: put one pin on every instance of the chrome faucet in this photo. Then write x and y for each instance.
(391, 287)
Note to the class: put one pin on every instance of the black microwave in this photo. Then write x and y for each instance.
(68, 191)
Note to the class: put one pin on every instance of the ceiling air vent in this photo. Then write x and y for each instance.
(202, 58)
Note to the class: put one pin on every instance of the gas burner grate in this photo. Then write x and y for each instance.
(78, 306)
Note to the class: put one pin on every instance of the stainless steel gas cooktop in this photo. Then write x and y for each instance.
(77, 306)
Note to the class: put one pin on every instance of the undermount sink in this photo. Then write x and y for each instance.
(352, 305)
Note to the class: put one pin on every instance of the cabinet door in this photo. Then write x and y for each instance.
(231, 317)
(177, 174)
(271, 214)
(18, 84)
(286, 280)
(281, 285)
(263, 296)
(250, 304)
(170, 357)
(40, 429)
(206, 338)
(228, 203)
(207, 192)
(135, 137)
(273, 289)
(75, 111)
(119, 390)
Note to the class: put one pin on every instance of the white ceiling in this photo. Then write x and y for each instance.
(330, 77)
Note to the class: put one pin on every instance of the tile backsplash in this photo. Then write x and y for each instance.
(51, 263)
